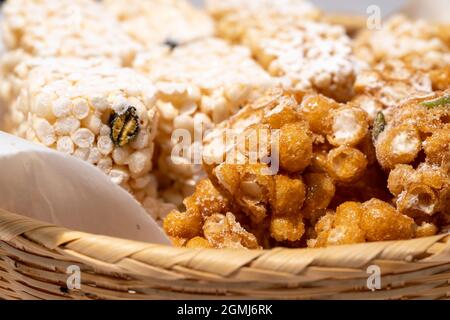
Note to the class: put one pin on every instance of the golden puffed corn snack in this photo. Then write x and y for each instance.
(294, 202)
(415, 148)
(354, 222)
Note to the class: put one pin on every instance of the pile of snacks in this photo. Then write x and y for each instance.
(251, 124)
(325, 151)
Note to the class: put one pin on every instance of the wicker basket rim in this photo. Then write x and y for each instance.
(51, 236)
(34, 257)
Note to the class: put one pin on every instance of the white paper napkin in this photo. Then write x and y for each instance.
(54, 187)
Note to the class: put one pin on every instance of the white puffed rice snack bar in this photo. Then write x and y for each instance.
(75, 28)
(74, 106)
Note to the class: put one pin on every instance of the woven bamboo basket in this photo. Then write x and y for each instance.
(35, 257)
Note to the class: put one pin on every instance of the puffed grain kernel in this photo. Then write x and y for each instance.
(207, 199)
(223, 231)
(426, 230)
(322, 230)
(44, 131)
(319, 160)
(83, 138)
(183, 224)
(397, 145)
(61, 107)
(66, 126)
(417, 198)
(140, 162)
(367, 147)
(437, 146)
(295, 147)
(80, 108)
(289, 196)
(256, 190)
(198, 243)
(348, 126)
(316, 109)
(282, 114)
(81, 153)
(178, 242)
(320, 191)
(349, 212)
(346, 164)
(287, 228)
(399, 178)
(65, 144)
(382, 222)
(345, 234)
(105, 145)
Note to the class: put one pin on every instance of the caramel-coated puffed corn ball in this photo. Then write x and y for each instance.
(198, 242)
(346, 164)
(382, 222)
(349, 125)
(316, 110)
(398, 145)
(295, 147)
(289, 195)
(223, 231)
(183, 224)
(287, 228)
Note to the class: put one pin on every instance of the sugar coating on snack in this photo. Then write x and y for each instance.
(69, 107)
(401, 37)
(404, 59)
(198, 85)
(79, 28)
(306, 55)
(172, 22)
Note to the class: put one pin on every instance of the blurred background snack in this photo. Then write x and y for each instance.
(161, 21)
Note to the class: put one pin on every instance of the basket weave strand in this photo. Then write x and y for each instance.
(35, 256)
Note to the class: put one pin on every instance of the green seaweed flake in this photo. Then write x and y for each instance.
(442, 101)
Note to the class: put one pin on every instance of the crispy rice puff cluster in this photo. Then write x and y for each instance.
(284, 38)
(326, 187)
(63, 85)
(198, 85)
(403, 59)
(92, 110)
(161, 21)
